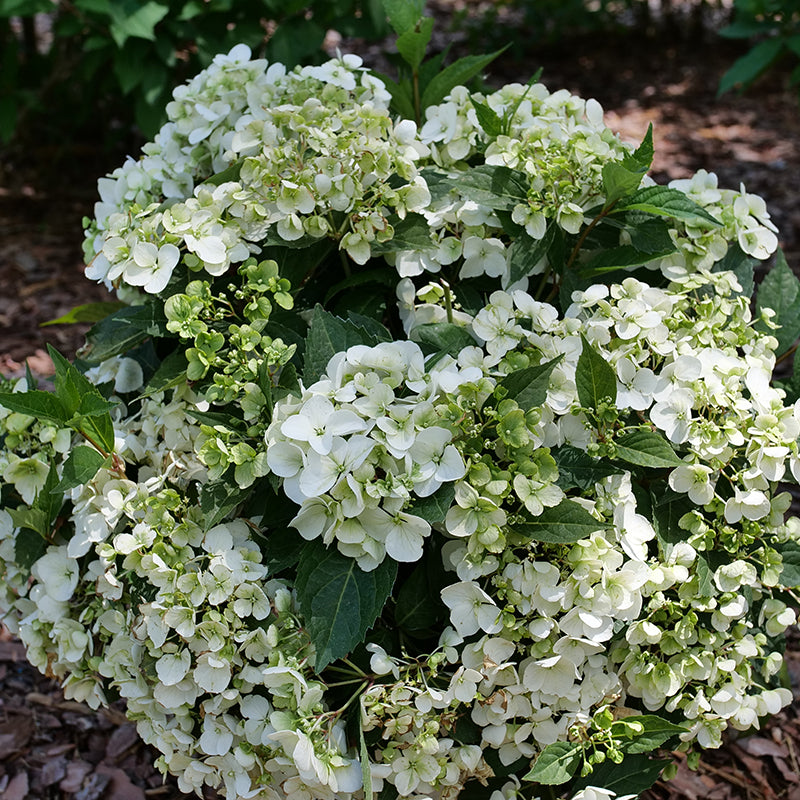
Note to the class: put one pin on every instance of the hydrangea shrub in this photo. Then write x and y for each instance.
(419, 461)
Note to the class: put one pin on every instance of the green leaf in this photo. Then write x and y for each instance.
(705, 576)
(641, 158)
(218, 499)
(741, 265)
(656, 731)
(790, 571)
(529, 386)
(618, 181)
(123, 330)
(433, 508)
(366, 772)
(780, 291)
(525, 253)
(563, 524)
(283, 549)
(634, 775)
(457, 74)
(411, 233)
(171, 372)
(81, 466)
(42, 405)
(648, 234)
(496, 187)
(594, 377)
(403, 14)
(402, 95)
(338, 600)
(487, 117)
(622, 257)
(747, 68)
(327, 336)
(647, 448)
(667, 508)
(29, 547)
(665, 202)
(232, 173)
(556, 764)
(442, 337)
(141, 23)
(419, 607)
(578, 470)
(34, 520)
(381, 276)
(89, 312)
(413, 42)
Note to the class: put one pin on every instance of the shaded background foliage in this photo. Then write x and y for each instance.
(78, 67)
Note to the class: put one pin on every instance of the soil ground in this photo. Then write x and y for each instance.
(50, 748)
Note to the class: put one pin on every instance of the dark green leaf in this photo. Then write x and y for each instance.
(327, 336)
(487, 117)
(402, 96)
(171, 372)
(218, 499)
(338, 600)
(665, 202)
(411, 233)
(747, 68)
(649, 234)
(634, 775)
(81, 466)
(667, 509)
(578, 470)
(780, 291)
(89, 312)
(457, 74)
(741, 265)
(42, 405)
(140, 23)
(433, 508)
(656, 732)
(442, 337)
(123, 330)
(419, 606)
(790, 571)
(621, 257)
(283, 549)
(647, 448)
(374, 328)
(525, 253)
(381, 275)
(556, 764)
(29, 547)
(594, 377)
(529, 386)
(642, 157)
(495, 187)
(232, 173)
(565, 523)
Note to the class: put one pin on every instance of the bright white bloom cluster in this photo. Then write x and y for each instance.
(360, 443)
(326, 547)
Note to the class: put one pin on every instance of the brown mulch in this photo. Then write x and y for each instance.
(54, 749)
